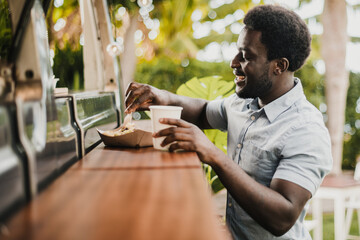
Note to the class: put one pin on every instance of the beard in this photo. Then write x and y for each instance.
(256, 88)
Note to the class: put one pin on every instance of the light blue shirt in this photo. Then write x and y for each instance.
(286, 139)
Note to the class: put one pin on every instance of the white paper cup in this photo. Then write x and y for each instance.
(157, 112)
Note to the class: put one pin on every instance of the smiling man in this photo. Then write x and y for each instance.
(278, 146)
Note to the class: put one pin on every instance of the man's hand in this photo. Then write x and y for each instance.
(282, 201)
(188, 137)
(140, 96)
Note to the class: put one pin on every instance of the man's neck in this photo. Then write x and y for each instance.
(280, 86)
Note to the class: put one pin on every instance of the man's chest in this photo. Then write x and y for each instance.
(254, 143)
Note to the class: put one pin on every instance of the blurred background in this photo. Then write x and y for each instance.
(168, 43)
(185, 46)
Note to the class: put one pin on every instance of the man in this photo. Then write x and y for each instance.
(278, 147)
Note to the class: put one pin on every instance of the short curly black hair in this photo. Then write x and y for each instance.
(283, 33)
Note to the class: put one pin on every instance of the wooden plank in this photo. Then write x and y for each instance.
(339, 181)
(135, 158)
(95, 201)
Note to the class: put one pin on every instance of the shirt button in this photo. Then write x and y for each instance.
(239, 145)
(252, 117)
(229, 204)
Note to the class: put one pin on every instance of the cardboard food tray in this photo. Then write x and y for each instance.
(138, 138)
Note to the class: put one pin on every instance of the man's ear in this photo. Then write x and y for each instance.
(281, 65)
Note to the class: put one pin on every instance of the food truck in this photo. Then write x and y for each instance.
(57, 179)
(44, 132)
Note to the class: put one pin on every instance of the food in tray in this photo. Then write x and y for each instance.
(125, 129)
(129, 134)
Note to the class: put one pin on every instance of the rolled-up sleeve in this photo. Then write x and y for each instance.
(216, 114)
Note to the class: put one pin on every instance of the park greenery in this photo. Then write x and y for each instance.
(170, 63)
(168, 59)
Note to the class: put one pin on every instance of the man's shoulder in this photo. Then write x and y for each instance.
(305, 117)
(234, 101)
(308, 112)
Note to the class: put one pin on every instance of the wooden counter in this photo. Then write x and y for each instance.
(117, 193)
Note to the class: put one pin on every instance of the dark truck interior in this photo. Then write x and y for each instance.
(43, 132)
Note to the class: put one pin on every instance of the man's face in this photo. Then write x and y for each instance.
(251, 66)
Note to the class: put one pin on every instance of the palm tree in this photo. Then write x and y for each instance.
(175, 37)
(334, 41)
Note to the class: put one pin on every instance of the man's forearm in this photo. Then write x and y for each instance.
(193, 109)
(266, 206)
(140, 96)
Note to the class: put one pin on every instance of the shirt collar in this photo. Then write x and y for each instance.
(279, 105)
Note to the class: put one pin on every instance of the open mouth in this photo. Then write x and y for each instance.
(239, 78)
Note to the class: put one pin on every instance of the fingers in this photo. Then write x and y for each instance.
(170, 131)
(139, 104)
(138, 97)
(183, 133)
(176, 137)
(133, 92)
(180, 127)
(132, 86)
(175, 122)
(187, 146)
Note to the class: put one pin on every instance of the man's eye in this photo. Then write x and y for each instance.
(246, 58)
(241, 56)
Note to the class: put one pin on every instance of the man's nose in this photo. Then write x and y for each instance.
(235, 63)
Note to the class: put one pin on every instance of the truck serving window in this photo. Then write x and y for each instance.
(66, 43)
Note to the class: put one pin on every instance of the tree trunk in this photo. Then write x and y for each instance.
(128, 58)
(334, 40)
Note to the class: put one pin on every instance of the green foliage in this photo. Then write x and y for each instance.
(313, 83)
(5, 30)
(212, 179)
(210, 88)
(217, 137)
(328, 225)
(65, 10)
(352, 115)
(68, 67)
(166, 73)
(70, 33)
(174, 48)
(131, 5)
(224, 10)
(68, 55)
